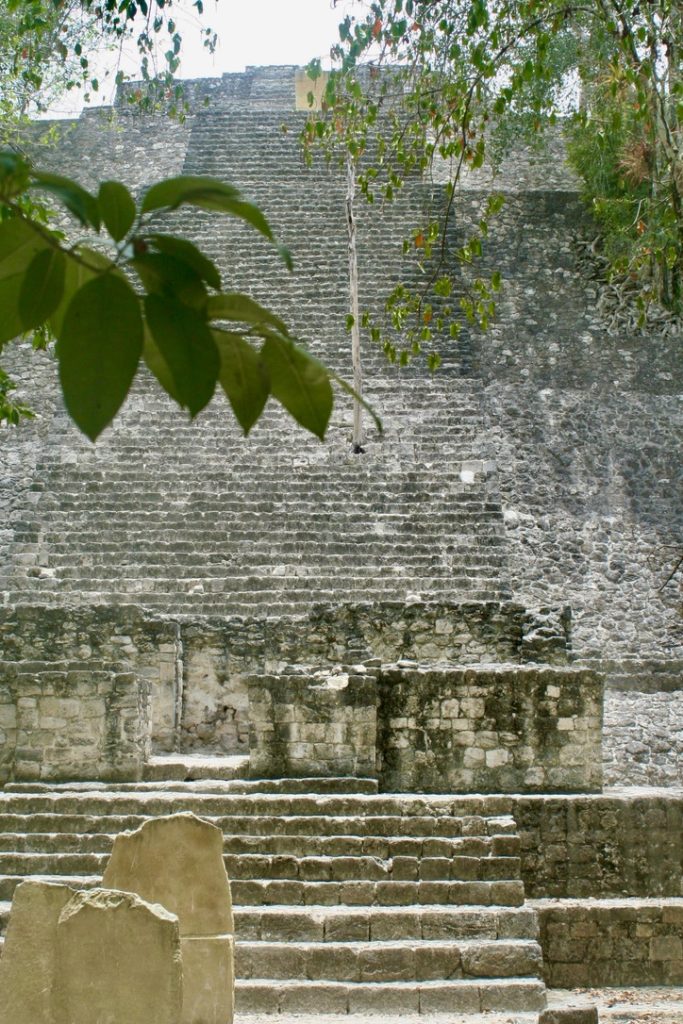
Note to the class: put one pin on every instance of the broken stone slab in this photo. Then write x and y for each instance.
(27, 965)
(176, 861)
(118, 961)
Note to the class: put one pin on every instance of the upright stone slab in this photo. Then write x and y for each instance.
(178, 862)
(118, 962)
(27, 965)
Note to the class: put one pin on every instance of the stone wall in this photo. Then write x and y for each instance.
(320, 725)
(447, 729)
(498, 728)
(8, 730)
(137, 148)
(270, 88)
(198, 670)
(601, 846)
(73, 720)
(96, 637)
(219, 657)
(611, 943)
(643, 743)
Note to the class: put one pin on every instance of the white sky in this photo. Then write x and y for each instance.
(254, 32)
(262, 32)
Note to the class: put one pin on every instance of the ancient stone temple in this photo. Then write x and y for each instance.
(415, 686)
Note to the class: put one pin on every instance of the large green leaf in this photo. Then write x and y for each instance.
(300, 383)
(42, 288)
(243, 377)
(208, 193)
(186, 344)
(159, 367)
(253, 215)
(235, 306)
(19, 245)
(79, 202)
(99, 350)
(117, 207)
(82, 265)
(171, 277)
(188, 253)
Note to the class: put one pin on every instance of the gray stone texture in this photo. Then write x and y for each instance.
(313, 725)
(621, 844)
(73, 719)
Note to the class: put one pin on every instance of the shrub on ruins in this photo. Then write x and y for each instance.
(449, 85)
(151, 298)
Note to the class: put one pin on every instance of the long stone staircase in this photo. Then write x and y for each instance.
(346, 902)
(187, 518)
(260, 530)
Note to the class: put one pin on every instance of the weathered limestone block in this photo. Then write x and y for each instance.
(177, 861)
(490, 728)
(322, 724)
(118, 962)
(27, 965)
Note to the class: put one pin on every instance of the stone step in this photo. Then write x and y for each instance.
(454, 1017)
(8, 883)
(344, 868)
(351, 892)
(475, 995)
(364, 924)
(25, 819)
(376, 893)
(399, 997)
(349, 924)
(397, 960)
(202, 774)
(263, 606)
(217, 559)
(249, 866)
(384, 848)
(467, 815)
(56, 842)
(162, 769)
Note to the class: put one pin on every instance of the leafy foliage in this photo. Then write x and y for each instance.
(156, 298)
(421, 86)
(46, 49)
